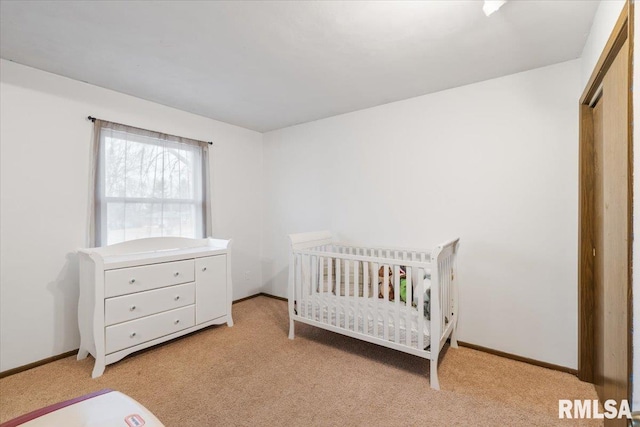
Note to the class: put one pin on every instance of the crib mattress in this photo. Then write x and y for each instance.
(326, 308)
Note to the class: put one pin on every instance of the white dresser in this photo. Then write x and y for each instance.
(136, 294)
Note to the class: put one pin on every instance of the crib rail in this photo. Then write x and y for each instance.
(370, 294)
(382, 252)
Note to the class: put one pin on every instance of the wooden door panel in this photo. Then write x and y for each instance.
(598, 271)
(615, 237)
(605, 219)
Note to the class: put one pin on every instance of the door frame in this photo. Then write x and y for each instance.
(622, 31)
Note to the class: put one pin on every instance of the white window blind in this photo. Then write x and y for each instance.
(149, 185)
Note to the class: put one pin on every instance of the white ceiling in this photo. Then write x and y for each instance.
(267, 65)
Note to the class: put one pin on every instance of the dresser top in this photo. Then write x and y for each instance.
(155, 250)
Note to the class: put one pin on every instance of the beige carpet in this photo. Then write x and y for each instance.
(252, 375)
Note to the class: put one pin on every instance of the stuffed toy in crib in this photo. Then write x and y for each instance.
(427, 294)
(403, 288)
(381, 285)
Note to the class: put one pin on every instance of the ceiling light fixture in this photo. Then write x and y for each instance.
(491, 6)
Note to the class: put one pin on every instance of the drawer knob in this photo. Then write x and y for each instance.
(177, 297)
(132, 335)
(132, 281)
(177, 273)
(204, 268)
(176, 321)
(133, 307)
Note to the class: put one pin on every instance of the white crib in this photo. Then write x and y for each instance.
(341, 288)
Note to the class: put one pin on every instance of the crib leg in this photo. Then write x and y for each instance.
(433, 379)
(292, 334)
(454, 336)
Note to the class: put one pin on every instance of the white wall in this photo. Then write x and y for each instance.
(44, 152)
(495, 163)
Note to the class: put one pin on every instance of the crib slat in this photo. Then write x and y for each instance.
(320, 290)
(376, 293)
(365, 278)
(385, 288)
(454, 290)
(396, 302)
(356, 294)
(338, 286)
(330, 262)
(365, 293)
(346, 294)
(416, 282)
(435, 306)
(443, 291)
(349, 288)
(314, 286)
(352, 269)
(312, 281)
(327, 287)
(444, 299)
(421, 290)
(307, 286)
(421, 318)
(322, 283)
(451, 289)
(447, 273)
(298, 259)
(449, 300)
(408, 305)
(323, 287)
(302, 308)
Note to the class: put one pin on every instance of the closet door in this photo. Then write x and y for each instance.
(211, 288)
(605, 235)
(613, 367)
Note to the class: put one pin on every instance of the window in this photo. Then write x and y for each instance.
(148, 185)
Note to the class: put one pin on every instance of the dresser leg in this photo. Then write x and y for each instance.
(98, 369)
(82, 353)
(229, 321)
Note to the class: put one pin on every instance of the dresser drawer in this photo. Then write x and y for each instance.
(136, 279)
(137, 331)
(133, 306)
